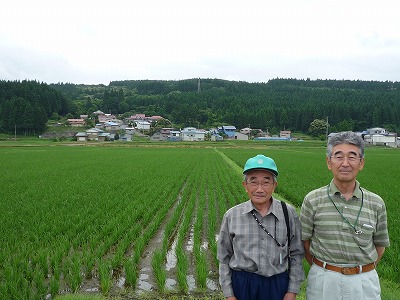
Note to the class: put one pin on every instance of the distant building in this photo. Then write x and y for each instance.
(377, 130)
(106, 118)
(174, 136)
(92, 134)
(81, 136)
(98, 112)
(142, 125)
(111, 126)
(380, 137)
(215, 137)
(192, 134)
(154, 118)
(285, 134)
(138, 117)
(241, 136)
(246, 130)
(129, 130)
(227, 130)
(76, 122)
(377, 137)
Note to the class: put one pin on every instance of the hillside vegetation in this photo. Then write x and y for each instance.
(275, 105)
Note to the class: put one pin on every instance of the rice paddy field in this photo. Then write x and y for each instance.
(140, 220)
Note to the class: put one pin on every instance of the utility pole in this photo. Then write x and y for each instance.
(327, 126)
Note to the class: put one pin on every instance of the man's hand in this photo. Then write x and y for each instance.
(290, 296)
(307, 253)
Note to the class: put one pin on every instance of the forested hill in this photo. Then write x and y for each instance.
(290, 104)
(25, 106)
(277, 104)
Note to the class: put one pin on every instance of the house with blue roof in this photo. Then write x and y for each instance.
(227, 130)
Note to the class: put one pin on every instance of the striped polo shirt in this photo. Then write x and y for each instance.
(331, 237)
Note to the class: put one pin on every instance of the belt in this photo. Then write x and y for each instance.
(345, 270)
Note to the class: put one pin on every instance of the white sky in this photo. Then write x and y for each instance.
(96, 41)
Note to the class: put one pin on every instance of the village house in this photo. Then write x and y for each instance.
(246, 130)
(240, 136)
(153, 119)
(76, 122)
(285, 134)
(93, 134)
(142, 125)
(215, 137)
(192, 134)
(111, 126)
(227, 130)
(174, 135)
(380, 137)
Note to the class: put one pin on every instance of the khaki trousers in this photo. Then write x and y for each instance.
(323, 284)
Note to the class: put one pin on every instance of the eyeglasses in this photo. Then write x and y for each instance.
(264, 184)
(341, 157)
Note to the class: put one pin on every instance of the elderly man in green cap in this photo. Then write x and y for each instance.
(259, 245)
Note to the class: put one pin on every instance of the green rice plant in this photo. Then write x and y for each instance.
(39, 284)
(28, 273)
(116, 259)
(42, 261)
(89, 261)
(159, 272)
(54, 285)
(130, 273)
(201, 270)
(182, 269)
(55, 262)
(212, 225)
(105, 277)
(137, 252)
(73, 272)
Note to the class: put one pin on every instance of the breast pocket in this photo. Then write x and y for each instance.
(365, 238)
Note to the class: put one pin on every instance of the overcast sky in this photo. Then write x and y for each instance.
(94, 42)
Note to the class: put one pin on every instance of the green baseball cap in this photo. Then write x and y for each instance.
(260, 162)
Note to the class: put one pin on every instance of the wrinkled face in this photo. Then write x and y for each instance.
(345, 162)
(259, 185)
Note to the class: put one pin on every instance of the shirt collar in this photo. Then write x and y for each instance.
(274, 208)
(356, 193)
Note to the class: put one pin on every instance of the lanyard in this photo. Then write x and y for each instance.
(359, 231)
(263, 228)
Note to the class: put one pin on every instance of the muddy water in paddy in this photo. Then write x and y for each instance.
(146, 280)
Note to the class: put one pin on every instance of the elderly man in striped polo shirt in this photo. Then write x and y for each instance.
(344, 228)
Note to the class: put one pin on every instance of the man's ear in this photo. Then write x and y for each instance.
(361, 166)
(328, 163)
(244, 185)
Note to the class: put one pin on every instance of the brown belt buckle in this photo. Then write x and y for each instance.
(348, 271)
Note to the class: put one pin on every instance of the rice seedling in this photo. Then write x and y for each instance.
(182, 269)
(130, 273)
(105, 277)
(157, 264)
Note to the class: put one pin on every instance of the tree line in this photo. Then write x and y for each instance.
(291, 104)
(25, 106)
